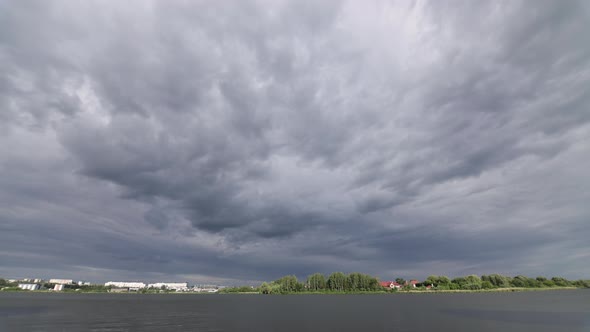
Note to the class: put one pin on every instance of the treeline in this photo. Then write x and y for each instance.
(317, 282)
(339, 282)
(239, 289)
(474, 282)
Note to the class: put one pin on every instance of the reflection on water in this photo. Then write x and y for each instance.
(565, 319)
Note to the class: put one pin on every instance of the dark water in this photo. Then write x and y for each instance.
(529, 311)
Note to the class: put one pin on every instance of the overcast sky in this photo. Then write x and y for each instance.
(239, 141)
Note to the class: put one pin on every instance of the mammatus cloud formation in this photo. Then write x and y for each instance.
(240, 141)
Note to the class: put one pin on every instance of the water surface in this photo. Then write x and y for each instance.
(526, 311)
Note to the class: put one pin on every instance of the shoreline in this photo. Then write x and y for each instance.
(496, 290)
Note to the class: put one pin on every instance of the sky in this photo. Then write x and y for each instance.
(234, 142)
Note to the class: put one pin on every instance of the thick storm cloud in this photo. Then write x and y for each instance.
(239, 141)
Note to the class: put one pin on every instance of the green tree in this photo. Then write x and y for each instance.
(472, 282)
(316, 282)
(361, 282)
(437, 280)
(357, 281)
(289, 284)
(459, 281)
(544, 282)
(486, 285)
(582, 283)
(497, 280)
(336, 281)
(520, 281)
(562, 282)
(534, 283)
(272, 288)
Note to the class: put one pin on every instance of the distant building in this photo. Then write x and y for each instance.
(207, 289)
(28, 286)
(58, 287)
(38, 280)
(125, 284)
(391, 284)
(178, 286)
(208, 286)
(61, 281)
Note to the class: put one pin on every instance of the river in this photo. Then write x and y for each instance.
(526, 311)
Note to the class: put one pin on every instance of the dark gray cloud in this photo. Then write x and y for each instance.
(241, 141)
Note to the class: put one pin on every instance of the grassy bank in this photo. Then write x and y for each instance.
(493, 290)
(413, 291)
(419, 291)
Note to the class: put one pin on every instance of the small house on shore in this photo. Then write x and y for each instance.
(390, 284)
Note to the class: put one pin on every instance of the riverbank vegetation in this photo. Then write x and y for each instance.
(335, 282)
(497, 281)
(359, 283)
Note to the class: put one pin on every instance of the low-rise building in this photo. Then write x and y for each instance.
(178, 286)
(58, 287)
(391, 284)
(28, 286)
(125, 284)
(61, 281)
(205, 289)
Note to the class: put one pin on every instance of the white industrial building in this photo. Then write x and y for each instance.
(28, 286)
(205, 290)
(179, 286)
(61, 281)
(125, 284)
(58, 287)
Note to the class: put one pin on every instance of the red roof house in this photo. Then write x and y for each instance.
(390, 284)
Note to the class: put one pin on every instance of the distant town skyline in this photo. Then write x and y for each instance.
(234, 142)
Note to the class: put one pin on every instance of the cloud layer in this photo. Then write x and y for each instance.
(240, 141)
